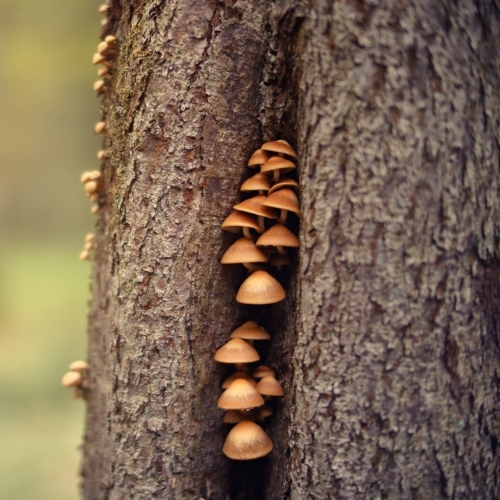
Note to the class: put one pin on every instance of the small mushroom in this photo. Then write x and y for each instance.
(282, 183)
(103, 9)
(254, 206)
(247, 441)
(258, 182)
(260, 288)
(280, 147)
(238, 374)
(243, 251)
(233, 417)
(99, 86)
(258, 158)
(262, 371)
(250, 331)
(269, 386)
(237, 221)
(236, 351)
(263, 412)
(240, 395)
(100, 127)
(277, 165)
(285, 200)
(278, 236)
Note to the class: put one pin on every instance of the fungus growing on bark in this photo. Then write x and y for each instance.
(233, 417)
(238, 374)
(262, 371)
(258, 182)
(240, 221)
(100, 127)
(254, 206)
(99, 86)
(260, 288)
(285, 200)
(258, 158)
(247, 441)
(269, 386)
(284, 182)
(280, 147)
(278, 236)
(277, 165)
(243, 251)
(236, 351)
(240, 395)
(250, 331)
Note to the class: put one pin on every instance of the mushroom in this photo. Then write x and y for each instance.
(99, 86)
(239, 374)
(100, 127)
(243, 251)
(269, 386)
(236, 351)
(72, 379)
(240, 395)
(237, 221)
(246, 441)
(79, 366)
(280, 146)
(278, 236)
(103, 9)
(285, 200)
(263, 412)
(254, 206)
(250, 331)
(260, 288)
(277, 165)
(258, 182)
(262, 371)
(233, 417)
(284, 182)
(258, 158)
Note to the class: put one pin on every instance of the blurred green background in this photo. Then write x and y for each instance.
(47, 113)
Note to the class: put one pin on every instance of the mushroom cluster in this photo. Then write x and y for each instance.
(77, 378)
(86, 253)
(265, 243)
(92, 184)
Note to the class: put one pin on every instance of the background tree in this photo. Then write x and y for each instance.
(388, 341)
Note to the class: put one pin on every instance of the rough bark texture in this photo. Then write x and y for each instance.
(388, 342)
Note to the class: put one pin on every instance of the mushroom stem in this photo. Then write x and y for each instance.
(246, 233)
(251, 266)
(281, 250)
(276, 175)
(262, 226)
(283, 215)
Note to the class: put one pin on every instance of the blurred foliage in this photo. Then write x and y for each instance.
(47, 113)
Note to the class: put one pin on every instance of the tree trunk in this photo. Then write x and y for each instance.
(387, 343)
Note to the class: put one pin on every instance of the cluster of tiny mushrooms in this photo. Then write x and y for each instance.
(247, 392)
(92, 184)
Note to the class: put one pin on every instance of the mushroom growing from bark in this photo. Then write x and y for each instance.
(240, 221)
(244, 251)
(278, 236)
(254, 206)
(240, 395)
(247, 441)
(285, 200)
(260, 288)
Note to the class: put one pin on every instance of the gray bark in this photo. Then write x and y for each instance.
(388, 343)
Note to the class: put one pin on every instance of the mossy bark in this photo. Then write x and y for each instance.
(388, 343)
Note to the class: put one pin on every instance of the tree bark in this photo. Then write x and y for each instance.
(387, 343)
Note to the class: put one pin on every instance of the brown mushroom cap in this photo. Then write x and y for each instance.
(247, 441)
(238, 374)
(269, 386)
(280, 146)
(72, 379)
(260, 288)
(250, 331)
(258, 158)
(284, 199)
(240, 395)
(243, 251)
(262, 371)
(285, 182)
(79, 366)
(258, 182)
(278, 236)
(254, 206)
(263, 412)
(237, 221)
(277, 163)
(233, 417)
(236, 351)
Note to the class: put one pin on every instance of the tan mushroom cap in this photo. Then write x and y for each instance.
(277, 163)
(79, 366)
(262, 371)
(237, 221)
(98, 58)
(254, 206)
(279, 146)
(247, 441)
(240, 395)
(238, 374)
(263, 412)
(285, 182)
(269, 386)
(72, 379)
(258, 182)
(260, 288)
(250, 331)
(243, 251)
(278, 236)
(93, 175)
(284, 199)
(236, 351)
(258, 158)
